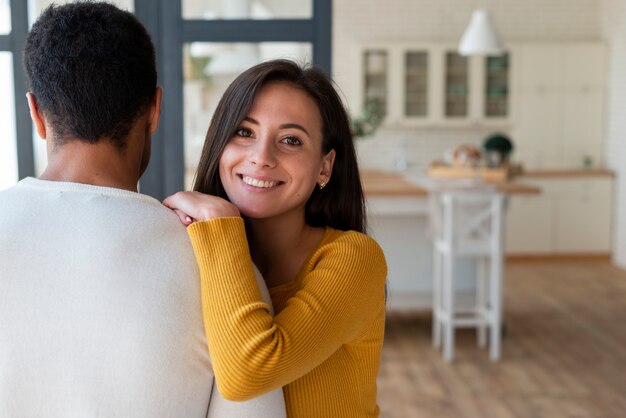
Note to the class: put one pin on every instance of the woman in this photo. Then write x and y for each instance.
(280, 165)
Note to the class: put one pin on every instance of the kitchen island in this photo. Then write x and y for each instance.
(397, 206)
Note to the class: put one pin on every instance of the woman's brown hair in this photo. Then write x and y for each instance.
(340, 204)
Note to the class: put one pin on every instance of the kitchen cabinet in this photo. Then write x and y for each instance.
(528, 225)
(560, 96)
(432, 84)
(572, 215)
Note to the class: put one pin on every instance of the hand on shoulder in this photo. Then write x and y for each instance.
(196, 206)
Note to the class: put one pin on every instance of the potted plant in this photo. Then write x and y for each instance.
(497, 148)
(368, 120)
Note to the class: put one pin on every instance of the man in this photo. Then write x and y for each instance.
(100, 309)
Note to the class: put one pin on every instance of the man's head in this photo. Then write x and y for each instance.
(91, 69)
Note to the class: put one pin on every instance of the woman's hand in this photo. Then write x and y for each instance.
(196, 206)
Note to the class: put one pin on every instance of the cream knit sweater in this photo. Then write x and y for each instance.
(100, 310)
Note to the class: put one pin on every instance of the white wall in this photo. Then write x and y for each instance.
(614, 31)
(360, 21)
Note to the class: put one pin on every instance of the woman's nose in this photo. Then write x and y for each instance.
(262, 154)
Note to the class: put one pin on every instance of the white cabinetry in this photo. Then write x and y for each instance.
(529, 225)
(432, 85)
(560, 93)
(572, 215)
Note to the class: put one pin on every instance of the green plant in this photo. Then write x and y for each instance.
(368, 121)
(499, 143)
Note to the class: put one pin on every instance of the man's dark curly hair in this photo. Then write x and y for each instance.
(91, 67)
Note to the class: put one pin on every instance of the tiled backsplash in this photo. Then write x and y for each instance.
(413, 149)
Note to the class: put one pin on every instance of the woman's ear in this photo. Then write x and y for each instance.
(327, 166)
(36, 115)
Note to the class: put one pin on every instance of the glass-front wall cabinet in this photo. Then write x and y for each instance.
(457, 86)
(376, 63)
(432, 84)
(416, 83)
(497, 86)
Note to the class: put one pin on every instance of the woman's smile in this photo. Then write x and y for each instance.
(259, 183)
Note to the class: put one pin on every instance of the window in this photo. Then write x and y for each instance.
(5, 17)
(233, 33)
(247, 9)
(35, 7)
(8, 143)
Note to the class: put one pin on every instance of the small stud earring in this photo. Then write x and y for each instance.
(322, 184)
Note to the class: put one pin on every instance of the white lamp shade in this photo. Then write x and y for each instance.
(480, 37)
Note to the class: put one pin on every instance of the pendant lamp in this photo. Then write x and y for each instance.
(480, 37)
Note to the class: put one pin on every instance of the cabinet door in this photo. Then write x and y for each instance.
(529, 225)
(456, 87)
(561, 104)
(540, 65)
(584, 64)
(376, 79)
(497, 87)
(583, 122)
(539, 127)
(583, 103)
(539, 130)
(416, 81)
(583, 217)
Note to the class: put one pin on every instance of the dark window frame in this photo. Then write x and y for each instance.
(169, 31)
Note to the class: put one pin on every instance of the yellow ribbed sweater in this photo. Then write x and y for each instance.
(325, 341)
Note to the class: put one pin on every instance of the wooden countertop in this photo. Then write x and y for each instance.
(389, 184)
(382, 183)
(559, 173)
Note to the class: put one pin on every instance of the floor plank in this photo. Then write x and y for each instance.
(564, 352)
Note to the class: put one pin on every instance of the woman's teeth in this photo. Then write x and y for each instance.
(258, 183)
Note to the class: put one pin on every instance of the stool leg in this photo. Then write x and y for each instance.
(448, 306)
(481, 306)
(436, 297)
(495, 299)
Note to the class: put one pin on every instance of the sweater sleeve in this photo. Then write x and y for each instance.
(254, 352)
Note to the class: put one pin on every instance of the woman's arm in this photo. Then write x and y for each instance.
(254, 352)
(271, 404)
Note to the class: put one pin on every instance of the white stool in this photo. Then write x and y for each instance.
(468, 223)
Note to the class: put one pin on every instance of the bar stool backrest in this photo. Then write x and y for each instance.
(468, 221)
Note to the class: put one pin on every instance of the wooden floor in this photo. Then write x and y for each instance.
(564, 352)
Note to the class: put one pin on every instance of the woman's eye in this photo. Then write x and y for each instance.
(292, 140)
(245, 132)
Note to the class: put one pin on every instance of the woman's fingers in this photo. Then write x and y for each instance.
(184, 218)
(200, 207)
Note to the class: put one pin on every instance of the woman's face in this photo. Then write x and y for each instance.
(274, 160)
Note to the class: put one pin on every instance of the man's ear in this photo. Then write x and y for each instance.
(155, 111)
(36, 115)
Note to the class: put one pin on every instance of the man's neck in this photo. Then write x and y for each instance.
(100, 164)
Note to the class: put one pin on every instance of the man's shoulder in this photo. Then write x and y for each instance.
(32, 199)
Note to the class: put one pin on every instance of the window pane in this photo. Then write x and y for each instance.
(5, 17)
(39, 153)
(209, 69)
(247, 9)
(35, 7)
(8, 142)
